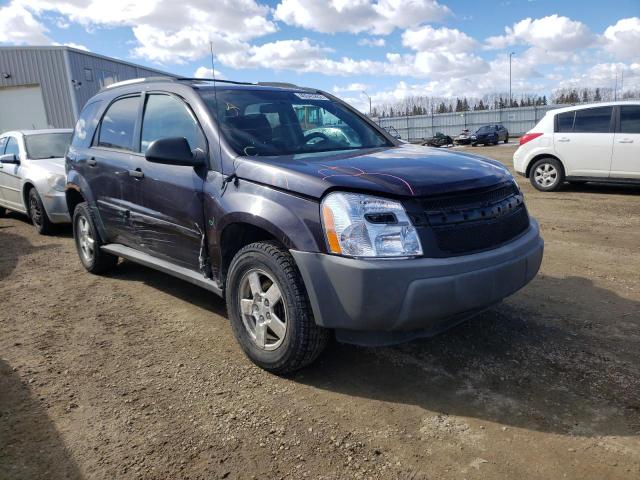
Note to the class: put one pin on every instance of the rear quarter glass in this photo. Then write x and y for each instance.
(86, 125)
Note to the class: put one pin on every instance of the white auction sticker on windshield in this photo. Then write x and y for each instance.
(311, 96)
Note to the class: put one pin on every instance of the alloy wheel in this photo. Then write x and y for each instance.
(263, 310)
(85, 239)
(546, 175)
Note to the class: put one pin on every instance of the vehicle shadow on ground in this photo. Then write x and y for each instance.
(545, 360)
(602, 188)
(182, 289)
(30, 445)
(12, 247)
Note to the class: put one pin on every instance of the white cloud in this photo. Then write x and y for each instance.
(372, 42)
(622, 40)
(379, 17)
(168, 31)
(442, 39)
(352, 87)
(604, 75)
(77, 46)
(551, 33)
(204, 72)
(18, 26)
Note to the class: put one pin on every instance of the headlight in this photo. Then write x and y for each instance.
(474, 136)
(358, 225)
(56, 181)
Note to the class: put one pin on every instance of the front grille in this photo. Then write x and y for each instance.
(491, 195)
(482, 235)
(476, 220)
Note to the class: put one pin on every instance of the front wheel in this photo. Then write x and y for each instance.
(506, 139)
(547, 175)
(269, 309)
(88, 242)
(38, 214)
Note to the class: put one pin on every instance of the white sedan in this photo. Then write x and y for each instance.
(32, 175)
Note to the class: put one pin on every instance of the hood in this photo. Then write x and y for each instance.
(50, 165)
(405, 170)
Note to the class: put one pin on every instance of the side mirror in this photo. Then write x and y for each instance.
(10, 158)
(173, 151)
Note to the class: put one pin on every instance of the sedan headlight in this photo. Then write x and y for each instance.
(359, 225)
(56, 181)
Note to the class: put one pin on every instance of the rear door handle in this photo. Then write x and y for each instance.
(625, 140)
(137, 173)
(564, 139)
(92, 162)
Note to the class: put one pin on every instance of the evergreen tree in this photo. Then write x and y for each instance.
(597, 97)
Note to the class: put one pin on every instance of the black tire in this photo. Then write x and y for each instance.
(506, 139)
(38, 214)
(474, 144)
(98, 261)
(3, 212)
(554, 178)
(303, 341)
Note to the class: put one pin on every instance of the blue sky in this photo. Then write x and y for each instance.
(390, 48)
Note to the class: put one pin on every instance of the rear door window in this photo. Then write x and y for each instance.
(118, 124)
(166, 116)
(630, 119)
(593, 120)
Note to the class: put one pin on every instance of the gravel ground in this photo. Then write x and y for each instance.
(137, 375)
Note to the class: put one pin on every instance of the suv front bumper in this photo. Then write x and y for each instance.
(415, 295)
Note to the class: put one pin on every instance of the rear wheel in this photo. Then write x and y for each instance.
(3, 212)
(38, 214)
(547, 175)
(88, 242)
(269, 309)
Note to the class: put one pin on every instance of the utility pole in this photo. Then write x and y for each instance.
(510, 55)
(367, 95)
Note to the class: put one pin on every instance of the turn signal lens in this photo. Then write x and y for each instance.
(330, 230)
(527, 137)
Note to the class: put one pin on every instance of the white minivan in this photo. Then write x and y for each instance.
(578, 144)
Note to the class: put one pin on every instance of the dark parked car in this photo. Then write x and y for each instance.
(303, 232)
(438, 140)
(490, 135)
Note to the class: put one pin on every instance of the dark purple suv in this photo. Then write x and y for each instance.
(307, 217)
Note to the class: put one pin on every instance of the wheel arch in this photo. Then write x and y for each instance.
(26, 188)
(240, 233)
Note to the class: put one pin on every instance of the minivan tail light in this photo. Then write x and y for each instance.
(527, 137)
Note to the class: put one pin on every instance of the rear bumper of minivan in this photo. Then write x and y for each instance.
(424, 295)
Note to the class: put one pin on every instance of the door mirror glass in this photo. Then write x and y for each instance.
(10, 158)
(172, 151)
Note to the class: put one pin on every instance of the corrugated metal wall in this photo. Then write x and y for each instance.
(87, 84)
(43, 67)
(516, 120)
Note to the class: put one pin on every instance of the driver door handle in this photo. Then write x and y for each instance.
(564, 139)
(137, 173)
(625, 140)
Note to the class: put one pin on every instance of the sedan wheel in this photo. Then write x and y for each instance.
(38, 214)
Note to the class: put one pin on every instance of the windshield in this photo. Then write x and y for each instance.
(266, 123)
(47, 145)
(486, 129)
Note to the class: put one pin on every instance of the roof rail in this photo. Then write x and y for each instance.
(217, 80)
(278, 84)
(139, 80)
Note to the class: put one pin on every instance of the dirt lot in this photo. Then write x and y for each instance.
(137, 375)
